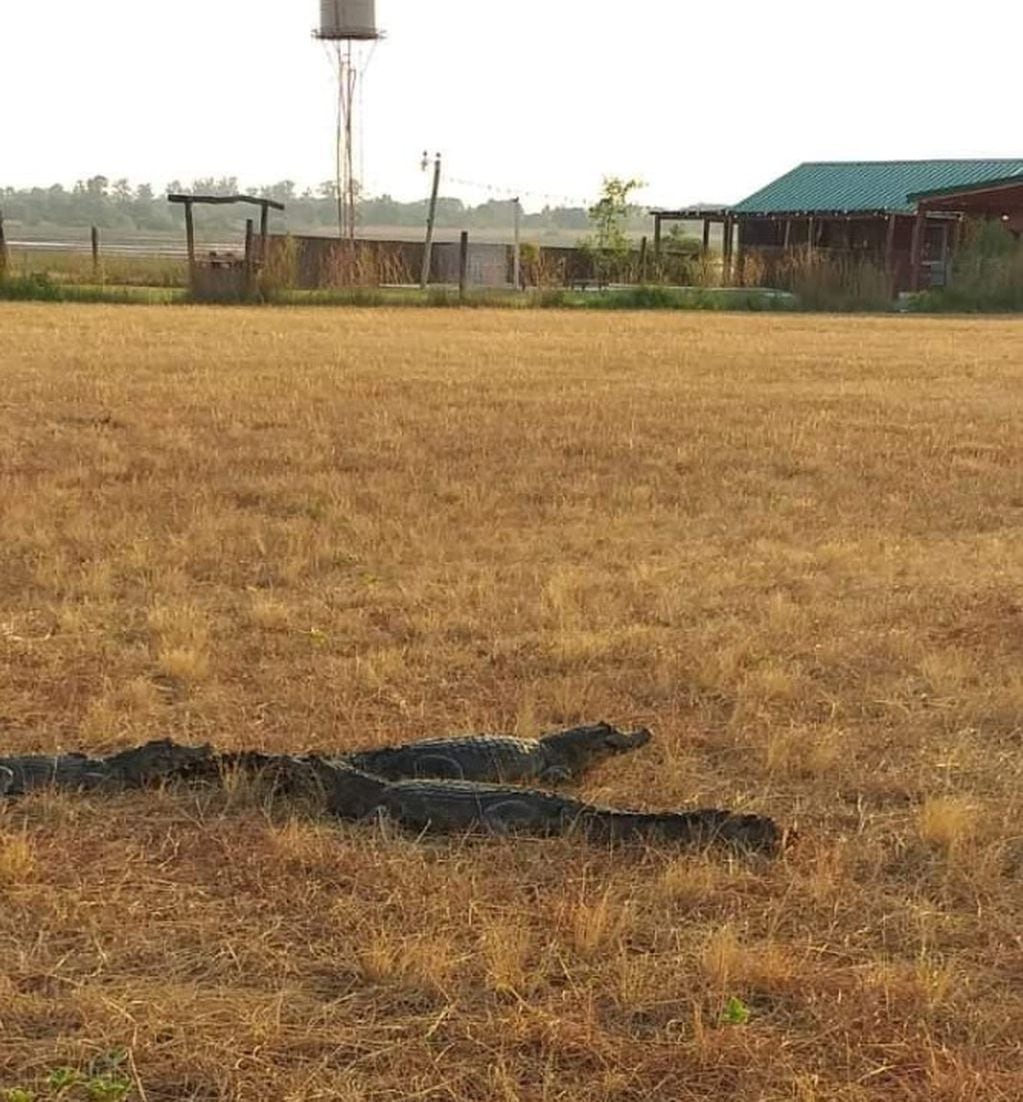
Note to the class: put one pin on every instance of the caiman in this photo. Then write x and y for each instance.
(553, 759)
(445, 807)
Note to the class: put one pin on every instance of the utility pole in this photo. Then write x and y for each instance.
(517, 254)
(463, 265)
(431, 217)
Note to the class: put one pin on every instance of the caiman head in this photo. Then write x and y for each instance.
(160, 760)
(350, 793)
(570, 752)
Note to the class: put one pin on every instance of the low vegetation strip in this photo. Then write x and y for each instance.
(42, 288)
(787, 543)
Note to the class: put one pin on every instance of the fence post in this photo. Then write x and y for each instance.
(190, 239)
(3, 248)
(264, 234)
(517, 258)
(463, 264)
(642, 260)
(248, 257)
(95, 252)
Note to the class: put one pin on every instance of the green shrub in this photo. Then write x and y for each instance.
(37, 287)
(986, 275)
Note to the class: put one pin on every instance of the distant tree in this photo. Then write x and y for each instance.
(209, 185)
(608, 244)
(570, 218)
(609, 214)
(98, 201)
(122, 191)
(282, 192)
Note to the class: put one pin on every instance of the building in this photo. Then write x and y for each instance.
(902, 214)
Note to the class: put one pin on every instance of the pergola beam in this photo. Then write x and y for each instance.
(217, 200)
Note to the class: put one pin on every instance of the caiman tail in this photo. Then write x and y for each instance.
(704, 827)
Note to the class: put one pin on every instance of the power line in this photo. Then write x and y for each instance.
(514, 192)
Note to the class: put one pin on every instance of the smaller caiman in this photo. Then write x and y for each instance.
(553, 759)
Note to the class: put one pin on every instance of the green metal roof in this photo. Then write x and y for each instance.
(874, 186)
(994, 184)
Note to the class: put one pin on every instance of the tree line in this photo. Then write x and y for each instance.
(120, 205)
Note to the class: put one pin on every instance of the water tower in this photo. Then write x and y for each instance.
(348, 28)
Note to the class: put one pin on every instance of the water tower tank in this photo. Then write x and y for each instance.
(348, 19)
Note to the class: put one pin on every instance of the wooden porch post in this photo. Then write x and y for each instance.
(706, 236)
(788, 234)
(726, 251)
(740, 256)
(916, 252)
(811, 231)
(889, 249)
(657, 237)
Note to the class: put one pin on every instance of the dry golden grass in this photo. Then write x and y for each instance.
(790, 545)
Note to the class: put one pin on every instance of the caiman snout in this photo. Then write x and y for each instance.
(627, 740)
(595, 741)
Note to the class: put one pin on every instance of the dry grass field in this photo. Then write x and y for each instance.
(793, 546)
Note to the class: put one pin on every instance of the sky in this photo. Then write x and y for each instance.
(541, 98)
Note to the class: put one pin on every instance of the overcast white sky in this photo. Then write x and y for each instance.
(705, 101)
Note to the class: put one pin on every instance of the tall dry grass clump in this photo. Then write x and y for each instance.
(822, 280)
(368, 264)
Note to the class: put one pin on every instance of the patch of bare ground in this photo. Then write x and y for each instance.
(790, 545)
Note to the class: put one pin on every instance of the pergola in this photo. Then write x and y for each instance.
(708, 216)
(265, 205)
